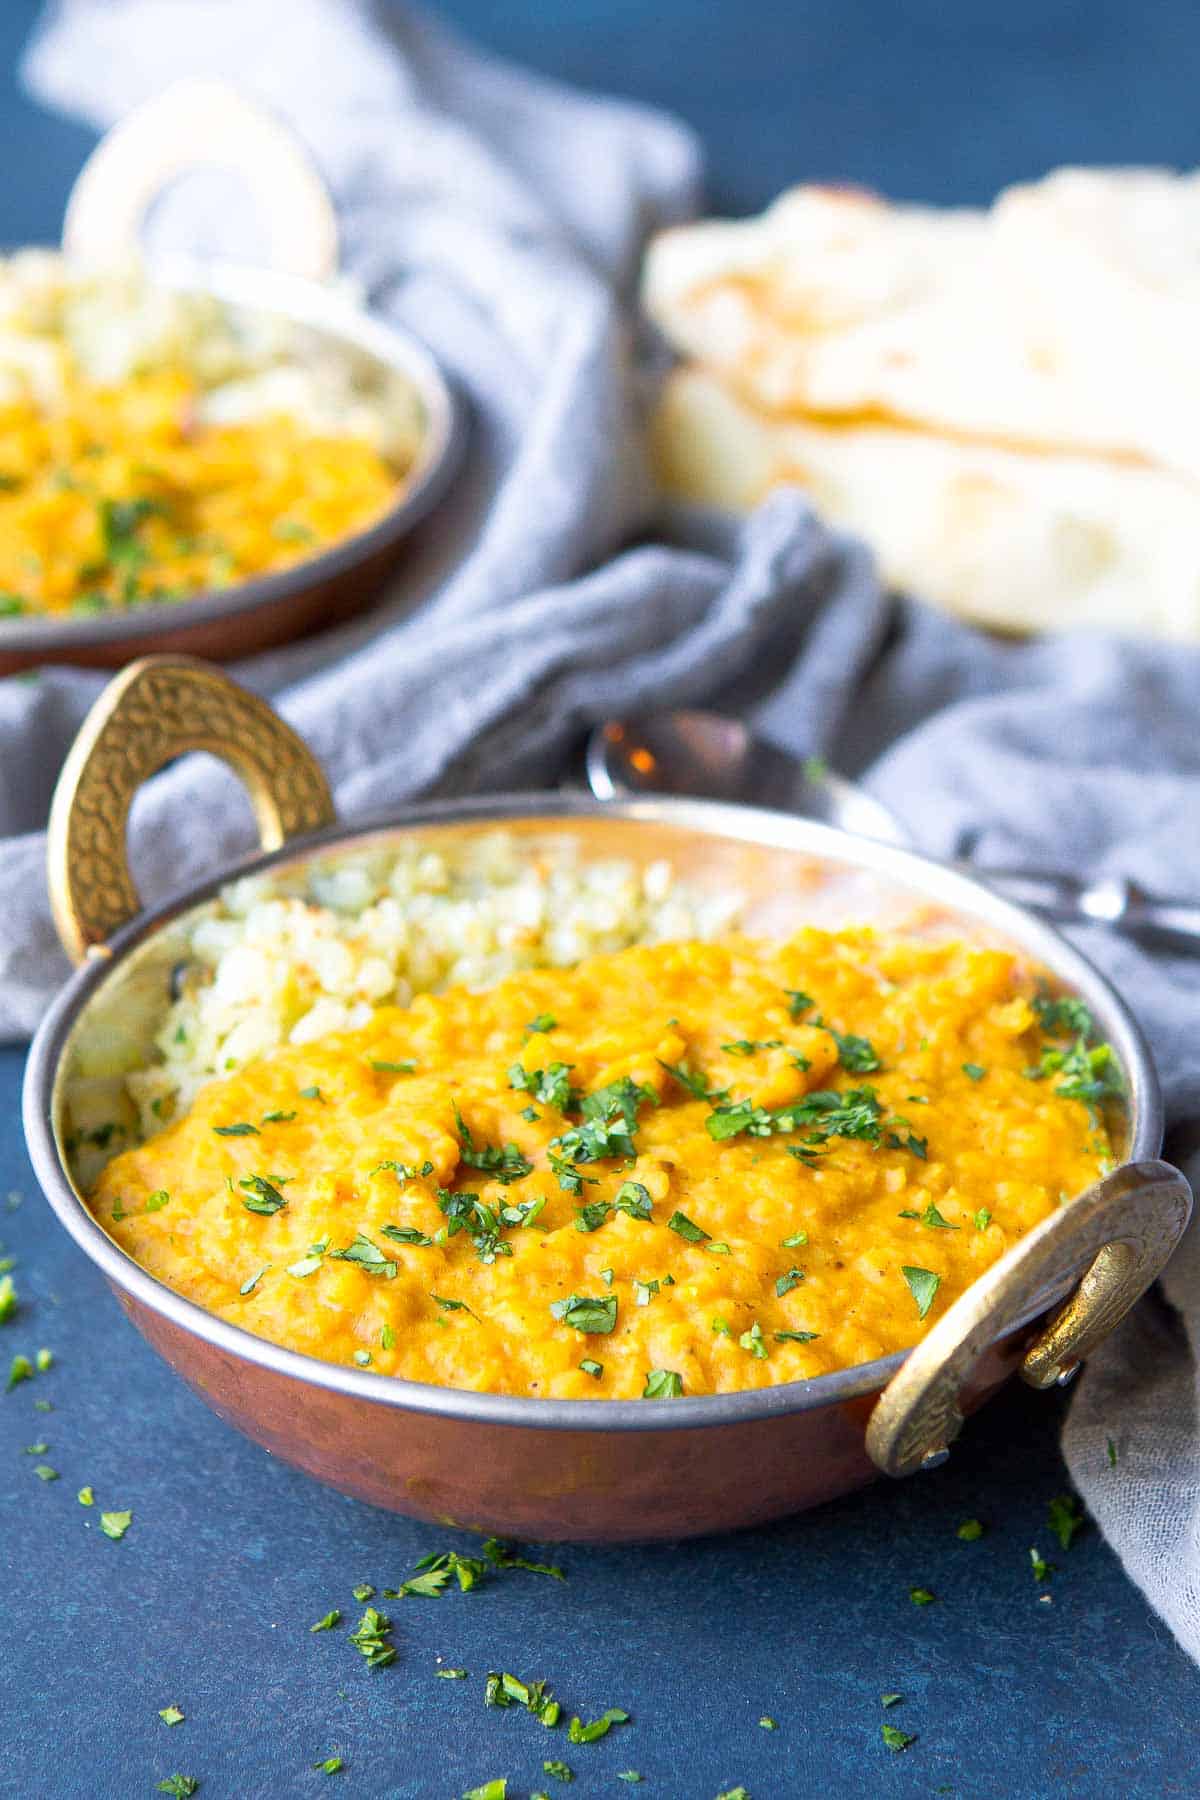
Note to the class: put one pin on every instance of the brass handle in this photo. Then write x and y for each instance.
(1121, 1232)
(151, 713)
(194, 124)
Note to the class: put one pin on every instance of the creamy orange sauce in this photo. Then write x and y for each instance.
(755, 1264)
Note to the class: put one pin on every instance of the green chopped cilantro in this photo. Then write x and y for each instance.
(44, 1360)
(241, 1129)
(684, 1228)
(407, 1067)
(561, 1771)
(490, 1790)
(662, 1384)
(44, 1472)
(768, 1723)
(886, 1700)
(584, 1313)
(261, 1196)
(933, 1218)
(366, 1256)
(450, 1305)
(786, 1283)
(371, 1638)
(976, 1071)
(796, 1337)
(248, 1286)
(543, 1022)
(181, 1787)
(1112, 1452)
(798, 1002)
(329, 1766)
(857, 1054)
(332, 1618)
(923, 1285)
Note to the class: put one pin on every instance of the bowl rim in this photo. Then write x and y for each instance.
(929, 880)
(329, 310)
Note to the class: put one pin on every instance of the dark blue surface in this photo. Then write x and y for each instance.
(207, 1601)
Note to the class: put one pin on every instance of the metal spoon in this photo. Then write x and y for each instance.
(702, 754)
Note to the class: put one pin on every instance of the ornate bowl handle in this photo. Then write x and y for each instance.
(200, 123)
(153, 712)
(1120, 1233)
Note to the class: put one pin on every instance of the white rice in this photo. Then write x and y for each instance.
(285, 959)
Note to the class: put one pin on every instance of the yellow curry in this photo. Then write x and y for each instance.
(680, 1169)
(112, 496)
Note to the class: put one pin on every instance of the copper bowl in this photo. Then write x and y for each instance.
(318, 591)
(569, 1469)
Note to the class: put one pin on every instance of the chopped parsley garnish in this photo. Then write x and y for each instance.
(543, 1022)
(854, 1114)
(8, 1298)
(312, 1093)
(895, 1739)
(328, 1622)
(921, 1596)
(886, 1700)
(19, 1369)
(404, 1172)
(490, 1790)
(1067, 1519)
(857, 1054)
(584, 1313)
(632, 1199)
(366, 1256)
(684, 1228)
(754, 1342)
(114, 1525)
(923, 1285)
(561, 1771)
(695, 1083)
(505, 1161)
(768, 1723)
(569, 1180)
(551, 1086)
(387, 1338)
(241, 1129)
(796, 1337)
(406, 1234)
(451, 1305)
(1112, 1452)
(592, 1368)
(592, 1216)
(750, 1047)
(181, 1787)
(787, 1282)
(278, 1118)
(1042, 1570)
(662, 1384)
(794, 1242)
(721, 1326)
(407, 1067)
(44, 1360)
(260, 1195)
(933, 1218)
(86, 1496)
(371, 1639)
(970, 1531)
(170, 1715)
(364, 1591)
(579, 1733)
(798, 1003)
(1062, 1017)
(329, 1766)
(157, 1200)
(983, 1219)
(976, 1071)
(451, 1674)
(44, 1472)
(609, 1121)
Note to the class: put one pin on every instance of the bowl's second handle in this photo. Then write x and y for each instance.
(193, 124)
(156, 710)
(1119, 1234)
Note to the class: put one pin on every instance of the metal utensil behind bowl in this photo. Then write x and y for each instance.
(171, 135)
(576, 1469)
(697, 754)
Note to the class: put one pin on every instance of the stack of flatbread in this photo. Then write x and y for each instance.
(1005, 404)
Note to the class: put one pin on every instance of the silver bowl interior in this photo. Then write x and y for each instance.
(391, 356)
(792, 871)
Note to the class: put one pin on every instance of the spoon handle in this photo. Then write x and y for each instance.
(1122, 905)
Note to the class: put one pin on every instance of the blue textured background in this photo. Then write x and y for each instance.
(207, 1601)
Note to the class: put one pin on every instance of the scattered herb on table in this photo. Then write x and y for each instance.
(114, 1525)
(561, 1771)
(1067, 1519)
(371, 1639)
(895, 1739)
(451, 1674)
(44, 1360)
(579, 1733)
(970, 1530)
(921, 1596)
(19, 1369)
(1112, 1453)
(490, 1790)
(170, 1715)
(331, 1619)
(1042, 1570)
(768, 1723)
(44, 1472)
(886, 1700)
(8, 1299)
(180, 1786)
(329, 1766)
(86, 1496)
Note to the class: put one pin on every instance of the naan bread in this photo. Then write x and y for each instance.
(1065, 318)
(1013, 540)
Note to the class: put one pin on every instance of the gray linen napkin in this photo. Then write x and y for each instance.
(502, 218)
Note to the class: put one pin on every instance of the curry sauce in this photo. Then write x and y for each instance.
(680, 1169)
